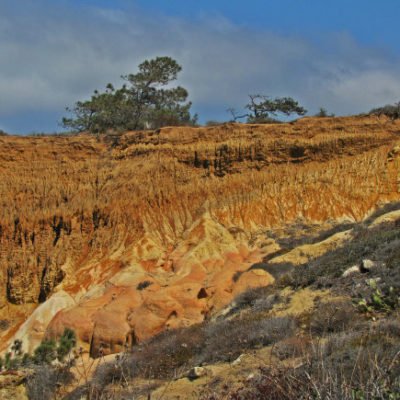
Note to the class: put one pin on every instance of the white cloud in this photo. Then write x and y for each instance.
(52, 56)
(373, 87)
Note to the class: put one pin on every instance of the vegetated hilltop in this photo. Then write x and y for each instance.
(126, 236)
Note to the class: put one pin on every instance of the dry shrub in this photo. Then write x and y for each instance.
(226, 340)
(390, 327)
(269, 383)
(43, 383)
(292, 348)
(350, 366)
(165, 356)
(332, 317)
(4, 324)
(365, 362)
(266, 303)
(171, 353)
(302, 276)
(258, 299)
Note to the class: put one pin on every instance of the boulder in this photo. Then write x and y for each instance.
(238, 360)
(197, 372)
(368, 265)
(364, 267)
(355, 269)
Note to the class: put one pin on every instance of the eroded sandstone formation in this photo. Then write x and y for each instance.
(122, 237)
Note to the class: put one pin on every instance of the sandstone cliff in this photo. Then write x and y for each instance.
(123, 237)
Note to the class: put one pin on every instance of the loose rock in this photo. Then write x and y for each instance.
(197, 372)
(355, 269)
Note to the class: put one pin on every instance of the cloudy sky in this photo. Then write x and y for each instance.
(343, 55)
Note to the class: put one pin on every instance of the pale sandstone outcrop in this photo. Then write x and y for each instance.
(306, 252)
(33, 329)
(388, 217)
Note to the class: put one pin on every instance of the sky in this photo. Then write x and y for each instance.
(343, 55)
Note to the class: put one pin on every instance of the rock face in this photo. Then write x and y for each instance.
(150, 295)
(33, 329)
(123, 237)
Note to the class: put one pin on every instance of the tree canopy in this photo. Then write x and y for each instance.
(261, 108)
(146, 100)
(390, 110)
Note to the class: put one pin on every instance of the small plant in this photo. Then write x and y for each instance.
(332, 317)
(213, 123)
(323, 113)
(47, 378)
(143, 285)
(261, 298)
(10, 362)
(46, 352)
(236, 276)
(66, 343)
(50, 350)
(292, 347)
(4, 324)
(379, 300)
(17, 347)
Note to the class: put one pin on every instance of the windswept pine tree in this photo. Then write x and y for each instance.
(145, 101)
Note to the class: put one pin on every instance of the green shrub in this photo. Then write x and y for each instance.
(50, 350)
(66, 343)
(381, 296)
(46, 352)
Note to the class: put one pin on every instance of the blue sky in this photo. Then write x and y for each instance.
(368, 20)
(343, 55)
